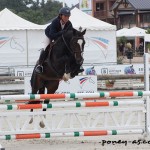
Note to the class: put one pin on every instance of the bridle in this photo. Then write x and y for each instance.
(71, 50)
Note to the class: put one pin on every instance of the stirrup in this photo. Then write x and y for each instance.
(39, 69)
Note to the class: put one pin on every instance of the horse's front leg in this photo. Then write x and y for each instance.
(51, 86)
(66, 68)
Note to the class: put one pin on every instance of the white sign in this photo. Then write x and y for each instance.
(23, 72)
(79, 84)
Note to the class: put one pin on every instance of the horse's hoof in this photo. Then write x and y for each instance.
(66, 77)
(42, 125)
(31, 120)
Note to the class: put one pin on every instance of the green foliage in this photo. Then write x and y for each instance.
(109, 83)
(148, 31)
(120, 59)
(122, 40)
(148, 46)
(36, 11)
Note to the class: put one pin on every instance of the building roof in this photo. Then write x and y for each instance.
(136, 4)
(140, 4)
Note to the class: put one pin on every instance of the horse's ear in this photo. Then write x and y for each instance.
(74, 31)
(83, 32)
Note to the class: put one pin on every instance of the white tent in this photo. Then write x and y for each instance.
(19, 44)
(100, 38)
(147, 38)
(79, 18)
(20, 40)
(132, 32)
(122, 32)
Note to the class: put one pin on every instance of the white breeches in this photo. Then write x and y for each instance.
(46, 42)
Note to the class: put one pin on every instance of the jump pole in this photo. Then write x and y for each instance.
(71, 104)
(74, 96)
(70, 134)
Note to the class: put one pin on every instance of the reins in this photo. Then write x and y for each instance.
(70, 50)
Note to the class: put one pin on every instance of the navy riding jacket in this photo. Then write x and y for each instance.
(54, 30)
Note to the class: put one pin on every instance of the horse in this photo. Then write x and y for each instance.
(67, 51)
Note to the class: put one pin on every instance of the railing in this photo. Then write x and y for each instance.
(6, 71)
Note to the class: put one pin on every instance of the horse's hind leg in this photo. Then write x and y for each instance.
(42, 91)
(42, 125)
(34, 91)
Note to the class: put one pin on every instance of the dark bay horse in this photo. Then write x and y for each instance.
(67, 51)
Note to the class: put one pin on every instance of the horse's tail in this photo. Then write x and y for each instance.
(33, 77)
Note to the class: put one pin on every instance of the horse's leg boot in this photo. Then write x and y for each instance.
(81, 69)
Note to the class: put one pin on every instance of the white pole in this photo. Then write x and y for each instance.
(144, 44)
(27, 47)
(146, 71)
(146, 85)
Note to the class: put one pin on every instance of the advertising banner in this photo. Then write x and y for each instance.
(86, 6)
(79, 84)
(114, 69)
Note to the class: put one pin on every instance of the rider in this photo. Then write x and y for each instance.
(53, 31)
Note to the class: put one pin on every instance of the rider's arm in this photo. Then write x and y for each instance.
(52, 30)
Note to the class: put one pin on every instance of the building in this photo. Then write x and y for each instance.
(101, 9)
(130, 13)
(123, 13)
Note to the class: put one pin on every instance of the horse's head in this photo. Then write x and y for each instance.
(76, 44)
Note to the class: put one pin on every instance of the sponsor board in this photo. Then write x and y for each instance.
(115, 69)
(79, 84)
(97, 70)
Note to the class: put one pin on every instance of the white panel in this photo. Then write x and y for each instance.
(13, 48)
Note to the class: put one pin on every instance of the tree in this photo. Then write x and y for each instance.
(36, 11)
(17, 5)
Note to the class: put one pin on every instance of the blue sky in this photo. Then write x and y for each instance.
(70, 2)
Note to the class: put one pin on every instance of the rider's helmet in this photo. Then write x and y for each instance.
(65, 11)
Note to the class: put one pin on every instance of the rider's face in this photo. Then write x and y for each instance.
(64, 18)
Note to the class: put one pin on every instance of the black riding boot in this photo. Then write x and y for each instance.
(39, 67)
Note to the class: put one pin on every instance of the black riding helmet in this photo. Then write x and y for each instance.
(65, 11)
